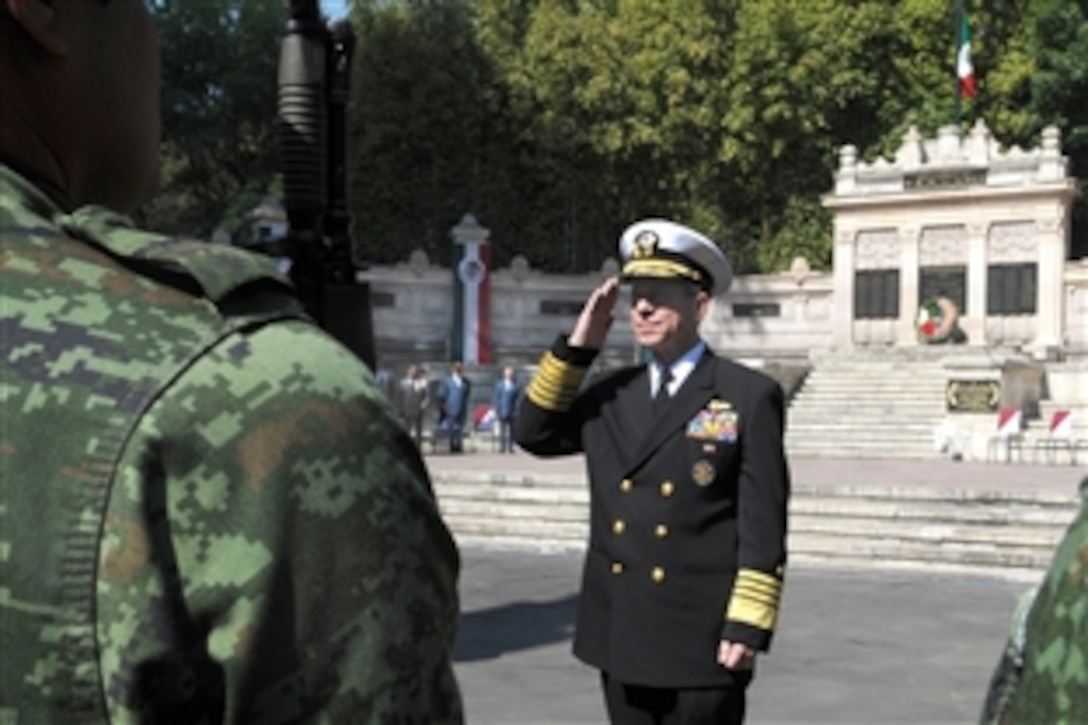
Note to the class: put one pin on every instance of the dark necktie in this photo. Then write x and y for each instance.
(662, 396)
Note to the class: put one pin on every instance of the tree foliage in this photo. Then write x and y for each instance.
(1059, 90)
(557, 122)
(220, 148)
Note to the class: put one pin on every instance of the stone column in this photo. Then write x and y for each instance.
(905, 334)
(1050, 234)
(973, 322)
(842, 314)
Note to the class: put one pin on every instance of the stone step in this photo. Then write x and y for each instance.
(573, 486)
(869, 363)
(924, 513)
(914, 378)
(880, 551)
(964, 498)
(878, 380)
(877, 385)
(856, 525)
(859, 396)
(835, 424)
(918, 451)
(802, 442)
(869, 404)
(851, 517)
(546, 533)
(506, 492)
(948, 533)
(860, 391)
(874, 382)
(831, 540)
(916, 404)
(914, 375)
(528, 521)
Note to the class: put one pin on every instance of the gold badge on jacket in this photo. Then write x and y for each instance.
(716, 422)
(703, 473)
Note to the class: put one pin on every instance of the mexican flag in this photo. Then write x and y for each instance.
(471, 338)
(965, 70)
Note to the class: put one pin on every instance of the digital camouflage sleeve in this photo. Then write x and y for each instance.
(1042, 676)
(208, 513)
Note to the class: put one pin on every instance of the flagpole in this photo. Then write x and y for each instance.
(958, 22)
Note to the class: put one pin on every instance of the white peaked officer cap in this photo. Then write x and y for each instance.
(662, 249)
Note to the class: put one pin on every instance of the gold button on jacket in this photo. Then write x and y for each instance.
(657, 574)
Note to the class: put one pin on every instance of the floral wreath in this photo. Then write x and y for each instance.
(936, 321)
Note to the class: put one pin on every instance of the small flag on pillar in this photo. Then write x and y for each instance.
(965, 70)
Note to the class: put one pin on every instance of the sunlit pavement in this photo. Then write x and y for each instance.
(852, 646)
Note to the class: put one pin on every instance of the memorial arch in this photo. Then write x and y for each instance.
(960, 218)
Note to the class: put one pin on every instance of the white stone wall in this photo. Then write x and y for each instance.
(417, 324)
(1075, 295)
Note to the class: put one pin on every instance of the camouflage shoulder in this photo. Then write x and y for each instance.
(1053, 685)
(217, 270)
(1007, 674)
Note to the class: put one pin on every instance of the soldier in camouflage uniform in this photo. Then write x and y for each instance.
(208, 513)
(1042, 676)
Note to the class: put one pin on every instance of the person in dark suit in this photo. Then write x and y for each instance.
(689, 487)
(456, 392)
(414, 397)
(504, 401)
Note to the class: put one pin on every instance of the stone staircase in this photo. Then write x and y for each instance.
(1013, 534)
(868, 404)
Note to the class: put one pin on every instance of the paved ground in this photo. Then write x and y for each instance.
(858, 646)
(852, 647)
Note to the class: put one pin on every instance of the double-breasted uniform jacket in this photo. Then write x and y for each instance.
(687, 511)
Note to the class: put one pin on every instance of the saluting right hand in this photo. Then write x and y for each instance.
(596, 318)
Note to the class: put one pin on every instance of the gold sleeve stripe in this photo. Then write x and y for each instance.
(755, 615)
(770, 600)
(555, 384)
(757, 590)
(755, 599)
(660, 268)
(759, 579)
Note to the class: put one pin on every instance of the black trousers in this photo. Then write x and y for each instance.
(641, 705)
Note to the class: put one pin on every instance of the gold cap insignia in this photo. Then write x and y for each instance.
(646, 245)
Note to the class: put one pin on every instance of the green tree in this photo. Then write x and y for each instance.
(560, 121)
(219, 110)
(1059, 89)
(427, 140)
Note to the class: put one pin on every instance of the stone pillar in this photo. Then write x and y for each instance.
(842, 314)
(1051, 236)
(470, 340)
(973, 322)
(905, 333)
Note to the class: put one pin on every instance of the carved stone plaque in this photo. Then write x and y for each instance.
(940, 180)
(973, 396)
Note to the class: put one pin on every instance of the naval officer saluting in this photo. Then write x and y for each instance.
(689, 488)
